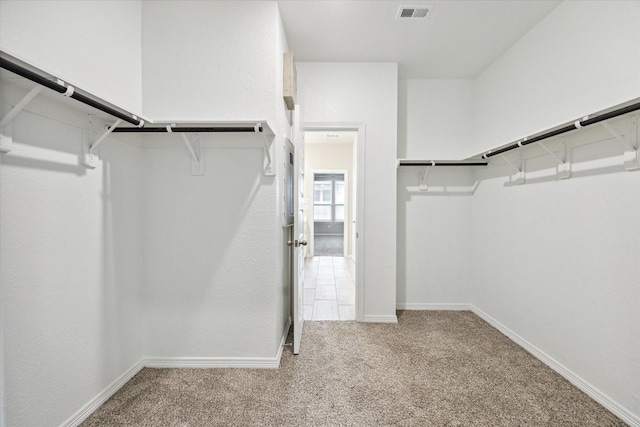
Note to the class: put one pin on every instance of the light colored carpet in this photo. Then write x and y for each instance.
(431, 369)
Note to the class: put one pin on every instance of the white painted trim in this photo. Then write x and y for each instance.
(213, 362)
(88, 409)
(380, 319)
(434, 306)
(221, 362)
(621, 412)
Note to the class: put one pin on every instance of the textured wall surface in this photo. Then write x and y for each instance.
(434, 231)
(202, 300)
(435, 119)
(71, 265)
(95, 45)
(209, 250)
(202, 62)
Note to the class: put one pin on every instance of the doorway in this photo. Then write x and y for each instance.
(330, 203)
(329, 208)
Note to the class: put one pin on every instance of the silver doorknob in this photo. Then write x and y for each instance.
(289, 243)
(303, 242)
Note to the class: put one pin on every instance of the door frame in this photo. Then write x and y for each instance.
(347, 206)
(359, 258)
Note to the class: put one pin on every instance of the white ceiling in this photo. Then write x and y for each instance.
(458, 39)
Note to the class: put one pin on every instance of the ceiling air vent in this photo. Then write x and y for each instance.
(414, 12)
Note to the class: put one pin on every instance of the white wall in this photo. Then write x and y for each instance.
(580, 59)
(209, 60)
(71, 264)
(95, 45)
(434, 230)
(325, 157)
(219, 61)
(557, 263)
(210, 249)
(434, 119)
(364, 93)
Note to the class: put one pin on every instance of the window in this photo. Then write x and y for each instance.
(328, 198)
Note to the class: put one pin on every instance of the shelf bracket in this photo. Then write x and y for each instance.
(563, 168)
(197, 160)
(630, 147)
(6, 140)
(422, 183)
(268, 160)
(89, 159)
(519, 176)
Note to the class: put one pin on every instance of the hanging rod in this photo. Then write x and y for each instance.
(182, 129)
(442, 163)
(67, 90)
(575, 125)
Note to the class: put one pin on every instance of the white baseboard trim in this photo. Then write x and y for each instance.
(176, 362)
(221, 362)
(434, 306)
(88, 409)
(380, 319)
(621, 412)
(213, 362)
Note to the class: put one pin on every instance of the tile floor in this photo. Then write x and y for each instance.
(329, 289)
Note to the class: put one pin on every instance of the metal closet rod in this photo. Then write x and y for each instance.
(575, 125)
(441, 163)
(182, 129)
(61, 88)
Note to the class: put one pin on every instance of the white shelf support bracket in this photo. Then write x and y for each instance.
(422, 183)
(89, 159)
(6, 140)
(197, 160)
(519, 176)
(267, 140)
(630, 147)
(564, 167)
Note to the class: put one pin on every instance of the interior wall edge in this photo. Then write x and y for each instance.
(597, 395)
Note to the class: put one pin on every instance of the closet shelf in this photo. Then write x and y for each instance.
(244, 126)
(599, 117)
(42, 79)
(408, 162)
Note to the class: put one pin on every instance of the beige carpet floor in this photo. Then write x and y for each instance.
(431, 369)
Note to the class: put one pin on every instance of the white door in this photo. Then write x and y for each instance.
(299, 242)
